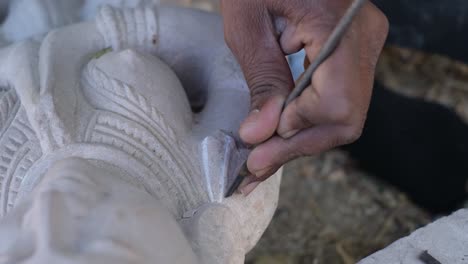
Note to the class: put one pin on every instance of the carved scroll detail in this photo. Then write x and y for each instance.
(129, 100)
(129, 28)
(127, 121)
(19, 150)
(8, 107)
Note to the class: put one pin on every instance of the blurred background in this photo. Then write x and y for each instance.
(330, 210)
(411, 164)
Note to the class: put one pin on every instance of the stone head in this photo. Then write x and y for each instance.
(111, 145)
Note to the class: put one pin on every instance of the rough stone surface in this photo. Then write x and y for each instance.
(97, 117)
(445, 241)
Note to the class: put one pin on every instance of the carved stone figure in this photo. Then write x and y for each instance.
(33, 18)
(102, 159)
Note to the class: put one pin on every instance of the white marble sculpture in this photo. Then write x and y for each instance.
(102, 159)
(33, 18)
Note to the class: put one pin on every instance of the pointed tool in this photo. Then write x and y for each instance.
(327, 49)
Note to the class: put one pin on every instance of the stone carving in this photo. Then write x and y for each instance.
(38, 17)
(102, 159)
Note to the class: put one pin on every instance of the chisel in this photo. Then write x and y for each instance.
(327, 49)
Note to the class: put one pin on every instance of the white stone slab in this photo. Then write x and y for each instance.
(446, 240)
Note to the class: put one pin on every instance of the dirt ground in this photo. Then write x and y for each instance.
(330, 212)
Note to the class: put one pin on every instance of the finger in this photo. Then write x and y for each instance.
(337, 98)
(249, 188)
(266, 158)
(332, 98)
(372, 41)
(261, 124)
(251, 35)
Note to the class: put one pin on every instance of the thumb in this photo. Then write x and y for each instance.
(251, 35)
(262, 122)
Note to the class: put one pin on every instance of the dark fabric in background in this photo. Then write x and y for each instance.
(436, 26)
(419, 147)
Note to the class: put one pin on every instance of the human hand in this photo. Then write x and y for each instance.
(329, 113)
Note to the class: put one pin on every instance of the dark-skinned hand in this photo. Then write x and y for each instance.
(329, 113)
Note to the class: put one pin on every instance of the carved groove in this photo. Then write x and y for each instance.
(141, 144)
(146, 141)
(123, 144)
(19, 151)
(129, 28)
(9, 176)
(9, 106)
(139, 103)
(136, 108)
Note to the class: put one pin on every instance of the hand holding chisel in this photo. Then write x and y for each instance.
(332, 111)
(326, 50)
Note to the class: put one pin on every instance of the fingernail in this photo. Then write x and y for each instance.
(290, 134)
(248, 189)
(250, 123)
(262, 123)
(261, 173)
(248, 180)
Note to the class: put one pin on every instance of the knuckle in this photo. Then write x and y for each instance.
(350, 134)
(384, 23)
(351, 130)
(291, 152)
(342, 112)
(228, 38)
(375, 35)
(380, 17)
(266, 81)
(303, 151)
(262, 90)
(297, 152)
(260, 94)
(233, 40)
(380, 24)
(303, 115)
(260, 70)
(307, 148)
